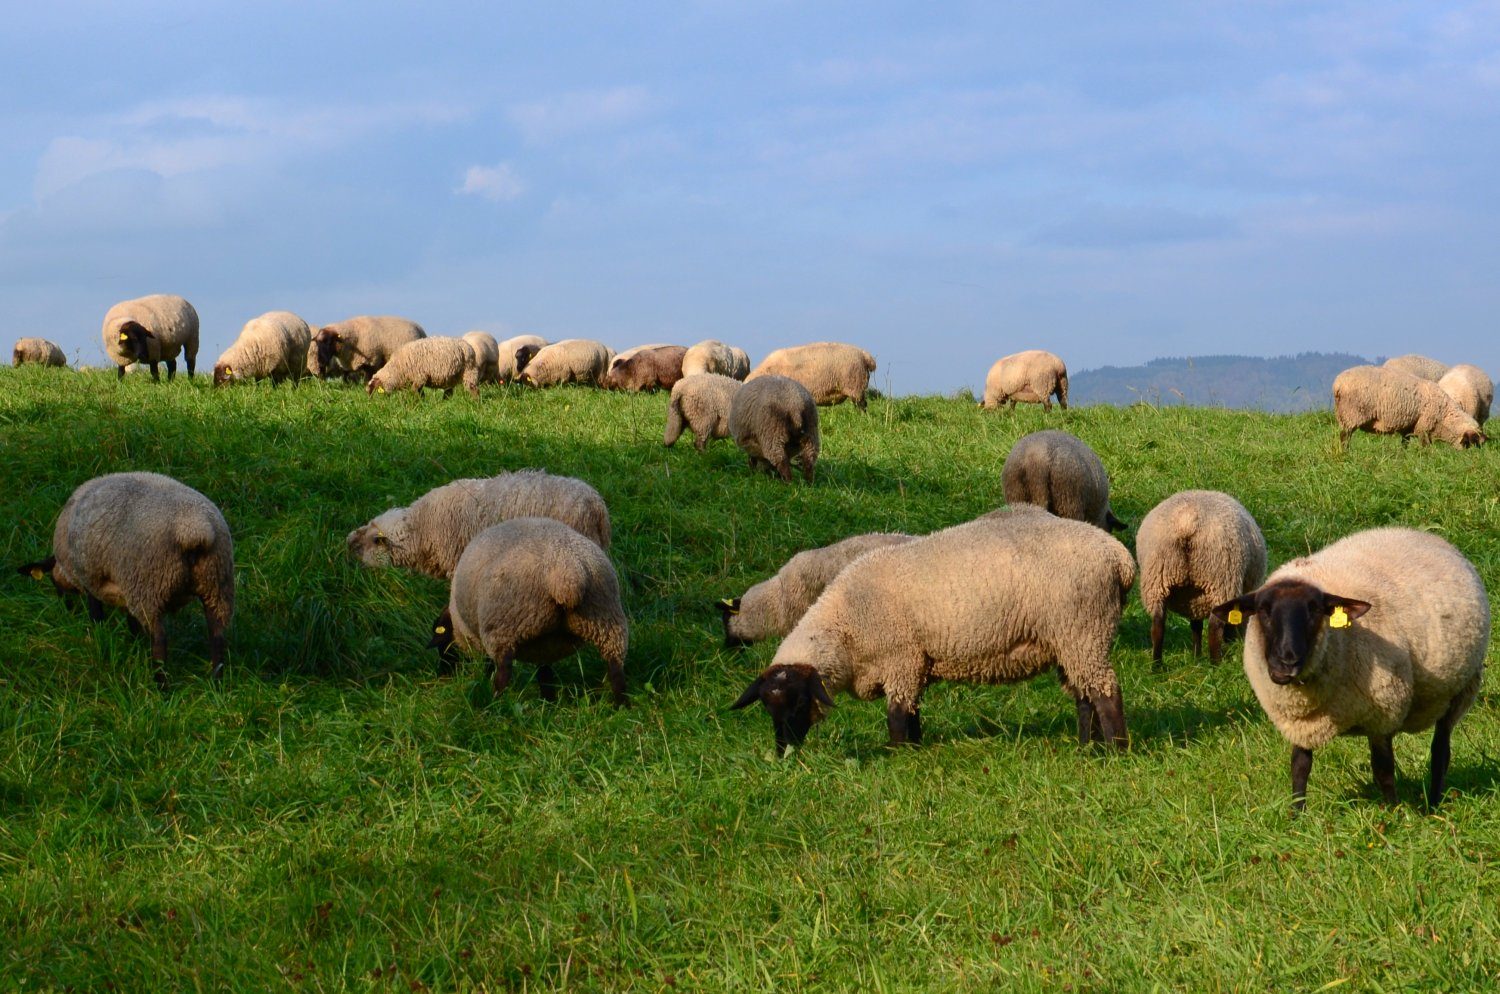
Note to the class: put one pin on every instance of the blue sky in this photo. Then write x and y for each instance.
(942, 184)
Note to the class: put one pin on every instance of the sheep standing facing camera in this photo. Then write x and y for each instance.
(151, 330)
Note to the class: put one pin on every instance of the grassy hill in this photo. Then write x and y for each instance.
(335, 815)
(1284, 384)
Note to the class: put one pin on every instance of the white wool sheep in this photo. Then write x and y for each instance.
(831, 371)
(700, 403)
(1390, 402)
(1197, 549)
(430, 535)
(148, 544)
(773, 419)
(362, 344)
(713, 356)
(1057, 471)
(274, 344)
(150, 330)
(487, 353)
(1030, 377)
(534, 589)
(1419, 366)
(572, 360)
(37, 351)
(995, 600)
(1381, 632)
(1471, 389)
(509, 369)
(438, 362)
(773, 606)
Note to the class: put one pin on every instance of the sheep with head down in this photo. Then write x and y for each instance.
(438, 362)
(773, 419)
(700, 403)
(360, 345)
(38, 352)
(831, 371)
(1389, 402)
(1030, 377)
(273, 345)
(1060, 473)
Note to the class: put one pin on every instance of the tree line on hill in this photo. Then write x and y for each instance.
(1303, 382)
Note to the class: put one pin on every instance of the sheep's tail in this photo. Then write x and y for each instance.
(193, 534)
(674, 421)
(1062, 389)
(868, 359)
(566, 582)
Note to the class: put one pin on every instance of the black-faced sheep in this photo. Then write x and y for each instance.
(649, 367)
(1389, 402)
(151, 330)
(515, 353)
(361, 345)
(440, 363)
(273, 345)
(572, 360)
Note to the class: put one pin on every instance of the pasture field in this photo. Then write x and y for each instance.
(335, 816)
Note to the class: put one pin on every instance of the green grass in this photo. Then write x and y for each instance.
(336, 816)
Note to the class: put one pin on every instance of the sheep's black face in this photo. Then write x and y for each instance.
(728, 608)
(524, 355)
(442, 641)
(795, 698)
(1291, 615)
(325, 343)
(1472, 438)
(133, 338)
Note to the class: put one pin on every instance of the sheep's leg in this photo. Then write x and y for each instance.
(96, 607)
(700, 440)
(171, 369)
(155, 377)
(1047, 405)
(216, 642)
(276, 379)
(1301, 767)
(1383, 765)
(1441, 753)
(192, 363)
(806, 458)
(1088, 720)
(1158, 633)
(546, 682)
(609, 635)
(1109, 718)
(901, 721)
(500, 679)
(119, 372)
(1196, 624)
(1215, 639)
(159, 652)
(132, 624)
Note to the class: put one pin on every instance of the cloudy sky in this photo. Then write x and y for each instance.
(942, 184)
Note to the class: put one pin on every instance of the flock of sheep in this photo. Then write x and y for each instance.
(1384, 631)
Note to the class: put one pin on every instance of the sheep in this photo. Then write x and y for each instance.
(430, 535)
(1419, 366)
(361, 344)
(773, 607)
(1413, 662)
(1030, 377)
(37, 351)
(995, 600)
(148, 544)
(700, 402)
(1471, 389)
(274, 344)
(572, 360)
(534, 589)
(150, 330)
(831, 371)
(712, 356)
(511, 364)
(649, 367)
(1057, 471)
(438, 362)
(1197, 549)
(771, 418)
(1390, 402)
(487, 352)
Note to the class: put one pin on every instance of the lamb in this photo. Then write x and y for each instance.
(831, 371)
(148, 544)
(1419, 366)
(151, 330)
(1057, 471)
(712, 356)
(362, 344)
(487, 353)
(1390, 402)
(1197, 549)
(772, 608)
(995, 600)
(572, 360)
(1413, 662)
(438, 362)
(37, 351)
(1471, 389)
(430, 535)
(700, 402)
(511, 364)
(649, 367)
(771, 418)
(1030, 377)
(274, 344)
(534, 589)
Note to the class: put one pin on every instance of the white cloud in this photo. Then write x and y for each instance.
(566, 114)
(497, 183)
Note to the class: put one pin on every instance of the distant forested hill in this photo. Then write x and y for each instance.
(1286, 383)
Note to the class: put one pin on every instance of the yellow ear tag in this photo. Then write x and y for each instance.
(379, 389)
(729, 606)
(124, 337)
(1236, 616)
(1339, 618)
(36, 573)
(440, 630)
(228, 371)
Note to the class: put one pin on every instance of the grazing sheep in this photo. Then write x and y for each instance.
(37, 351)
(274, 344)
(438, 362)
(487, 353)
(361, 344)
(1471, 389)
(649, 367)
(512, 358)
(712, 356)
(150, 330)
(700, 402)
(1390, 402)
(572, 360)
(534, 589)
(1197, 549)
(1419, 366)
(1057, 471)
(1030, 377)
(1414, 660)
(773, 607)
(430, 535)
(771, 418)
(831, 371)
(995, 600)
(148, 544)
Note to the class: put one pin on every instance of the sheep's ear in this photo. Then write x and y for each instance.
(729, 605)
(442, 631)
(1342, 610)
(1113, 523)
(38, 570)
(1235, 611)
(819, 692)
(751, 694)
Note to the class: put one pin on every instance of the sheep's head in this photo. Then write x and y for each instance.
(223, 374)
(1472, 437)
(45, 569)
(375, 384)
(1291, 615)
(794, 695)
(729, 609)
(133, 339)
(378, 543)
(524, 355)
(324, 344)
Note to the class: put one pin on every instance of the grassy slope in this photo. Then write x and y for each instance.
(334, 815)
